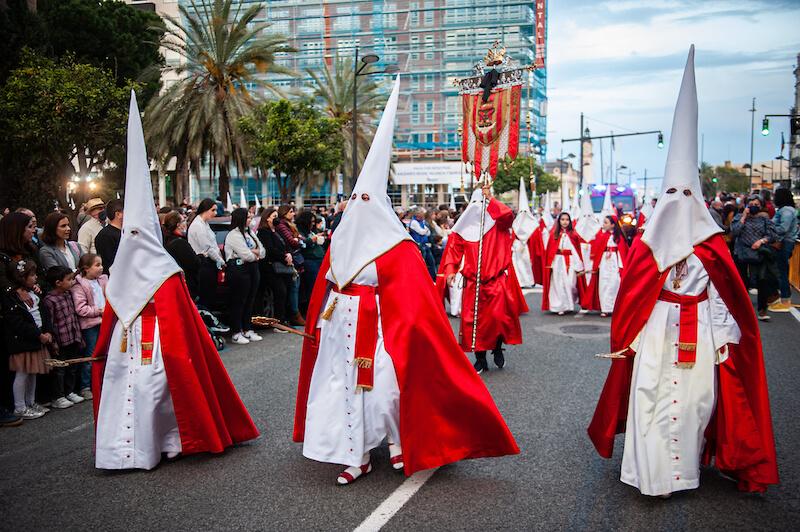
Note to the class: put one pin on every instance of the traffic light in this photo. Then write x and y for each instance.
(765, 127)
(794, 125)
(660, 141)
(714, 180)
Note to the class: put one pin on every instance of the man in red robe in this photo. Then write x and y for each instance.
(383, 363)
(162, 387)
(687, 383)
(500, 301)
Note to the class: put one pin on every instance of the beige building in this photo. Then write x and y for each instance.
(766, 174)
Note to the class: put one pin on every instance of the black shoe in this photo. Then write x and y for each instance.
(480, 362)
(8, 419)
(499, 359)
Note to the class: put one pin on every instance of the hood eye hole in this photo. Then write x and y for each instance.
(365, 196)
(353, 196)
(687, 192)
(672, 190)
(134, 232)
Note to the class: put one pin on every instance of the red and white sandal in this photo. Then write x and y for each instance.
(349, 475)
(396, 456)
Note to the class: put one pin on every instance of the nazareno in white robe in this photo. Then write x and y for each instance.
(669, 407)
(563, 293)
(521, 258)
(136, 420)
(608, 277)
(343, 424)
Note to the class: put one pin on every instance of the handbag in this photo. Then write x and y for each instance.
(282, 269)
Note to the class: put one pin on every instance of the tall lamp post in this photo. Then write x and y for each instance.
(358, 70)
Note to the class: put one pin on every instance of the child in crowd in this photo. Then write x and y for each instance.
(89, 299)
(26, 337)
(66, 333)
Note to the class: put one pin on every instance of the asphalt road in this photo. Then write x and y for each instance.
(547, 394)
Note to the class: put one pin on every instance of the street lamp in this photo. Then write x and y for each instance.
(358, 70)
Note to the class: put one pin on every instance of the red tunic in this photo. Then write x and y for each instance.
(591, 297)
(739, 435)
(537, 252)
(501, 300)
(446, 412)
(209, 412)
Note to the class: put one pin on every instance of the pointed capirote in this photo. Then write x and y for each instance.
(680, 219)
(142, 264)
(586, 225)
(369, 226)
(242, 198)
(525, 222)
(608, 207)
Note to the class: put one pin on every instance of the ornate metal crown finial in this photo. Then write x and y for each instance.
(496, 55)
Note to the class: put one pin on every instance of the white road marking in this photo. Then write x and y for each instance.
(795, 313)
(394, 502)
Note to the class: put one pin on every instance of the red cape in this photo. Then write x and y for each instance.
(740, 433)
(446, 412)
(591, 297)
(537, 252)
(501, 299)
(550, 255)
(208, 409)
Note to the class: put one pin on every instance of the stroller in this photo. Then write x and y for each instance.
(214, 327)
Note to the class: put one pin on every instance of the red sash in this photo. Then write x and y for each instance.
(148, 333)
(366, 332)
(687, 330)
(566, 254)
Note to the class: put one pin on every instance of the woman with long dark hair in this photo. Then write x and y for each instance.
(278, 267)
(563, 265)
(204, 243)
(242, 251)
(287, 230)
(174, 229)
(609, 250)
(58, 250)
(313, 238)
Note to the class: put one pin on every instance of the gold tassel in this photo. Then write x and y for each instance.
(363, 363)
(685, 346)
(363, 387)
(685, 365)
(124, 346)
(329, 311)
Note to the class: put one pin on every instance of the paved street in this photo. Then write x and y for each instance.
(547, 394)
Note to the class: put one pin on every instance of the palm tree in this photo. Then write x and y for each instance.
(225, 54)
(334, 93)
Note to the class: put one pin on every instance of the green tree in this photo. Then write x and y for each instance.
(51, 113)
(715, 179)
(509, 174)
(109, 34)
(225, 54)
(333, 90)
(294, 141)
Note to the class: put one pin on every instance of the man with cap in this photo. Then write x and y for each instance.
(89, 229)
(500, 299)
(383, 362)
(687, 381)
(160, 386)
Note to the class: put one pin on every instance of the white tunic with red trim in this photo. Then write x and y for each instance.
(609, 276)
(343, 424)
(136, 420)
(670, 406)
(563, 281)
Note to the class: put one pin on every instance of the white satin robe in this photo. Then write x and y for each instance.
(521, 258)
(343, 424)
(669, 407)
(563, 293)
(136, 420)
(608, 277)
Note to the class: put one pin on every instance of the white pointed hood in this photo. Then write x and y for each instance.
(468, 225)
(647, 210)
(608, 207)
(369, 226)
(565, 203)
(256, 202)
(586, 225)
(142, 264)
(547, 212)
(452, 202)
(680, 219)
(242, 199)
(525, 223)
(229, 207)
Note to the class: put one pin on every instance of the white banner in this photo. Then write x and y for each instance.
(429, 173)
